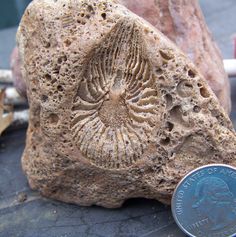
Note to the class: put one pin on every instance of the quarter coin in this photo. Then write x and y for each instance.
(204, 202)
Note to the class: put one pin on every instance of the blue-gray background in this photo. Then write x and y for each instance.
(11, 11)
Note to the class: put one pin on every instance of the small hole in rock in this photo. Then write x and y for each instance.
(53, 118)
(53, 81)
(59, 60)
(196, 109)
(164, 65)
(204, 93)
(159, 71)
(191, 73)
(60, 88)
(165, 55)
(44, 98)
(169, 126)
(188, 85)
(56, 70)
(165, 141)
(169, 100)
(176, 114)
(47, 45)
(67, 42)
(90, 8)
(104, 16)
(48, 77)
(163, 92)
(176, 77)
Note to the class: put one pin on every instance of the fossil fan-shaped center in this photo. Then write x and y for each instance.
(114, 113)
(115, 107)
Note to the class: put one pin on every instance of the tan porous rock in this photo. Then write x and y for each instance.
(183, 22)
(117, 111)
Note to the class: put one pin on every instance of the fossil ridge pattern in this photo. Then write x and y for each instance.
(114, 110)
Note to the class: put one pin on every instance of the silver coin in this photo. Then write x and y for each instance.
(204, 202)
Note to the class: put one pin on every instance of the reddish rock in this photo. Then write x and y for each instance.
(19, 81)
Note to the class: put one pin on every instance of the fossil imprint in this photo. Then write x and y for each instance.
(114, 110)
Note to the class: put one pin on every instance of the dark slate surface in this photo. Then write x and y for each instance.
(40, 217)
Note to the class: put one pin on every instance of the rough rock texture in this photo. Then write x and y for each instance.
(183, 22)
(116, 110)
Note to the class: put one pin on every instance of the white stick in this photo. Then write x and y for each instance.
(12, 97)
(6, 76)
(21, 117)
(230, 67)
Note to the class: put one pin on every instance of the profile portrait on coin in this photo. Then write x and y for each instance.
(215, 201)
